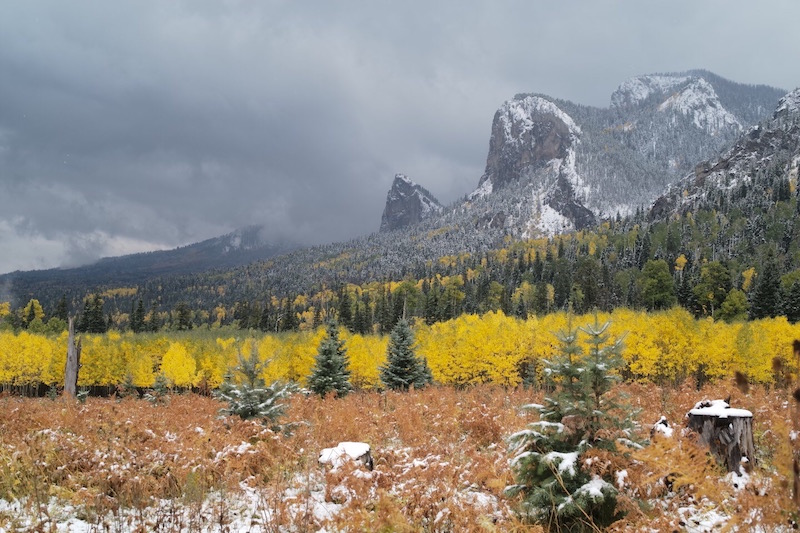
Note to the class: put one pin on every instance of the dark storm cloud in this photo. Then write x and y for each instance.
(132, 125)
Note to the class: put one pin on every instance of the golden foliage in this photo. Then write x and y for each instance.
(664, 348)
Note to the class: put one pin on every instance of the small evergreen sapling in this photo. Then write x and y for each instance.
(248, 396)
(330, 371)
(556, 487)
(403, 368)
(160, 391)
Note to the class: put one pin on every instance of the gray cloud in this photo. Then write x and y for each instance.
(131, 125)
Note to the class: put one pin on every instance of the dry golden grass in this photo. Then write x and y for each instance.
(441, 463)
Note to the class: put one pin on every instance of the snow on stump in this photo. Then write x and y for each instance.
(346, 451)
(728, 432)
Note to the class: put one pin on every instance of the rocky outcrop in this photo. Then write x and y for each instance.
(747, 171)
(533, 150)
(527, 133)
(406, 204)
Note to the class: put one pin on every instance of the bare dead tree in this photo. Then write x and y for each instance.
(73, 362)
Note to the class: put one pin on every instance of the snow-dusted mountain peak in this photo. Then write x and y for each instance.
(528, 132)
(407, 203)
(523, 111)
(634, 91)
(405, 179)
(699, 101)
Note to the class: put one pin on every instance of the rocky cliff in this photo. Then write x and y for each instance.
(407, 203)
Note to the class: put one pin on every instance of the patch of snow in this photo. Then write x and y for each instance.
(738, 480)
(567, 461)
(638, 89)
(789, 103)
(342, 453)
(403, 177)
(662, 427)
(544, 424)
(622, 475)
(718, 408)
(520, 112)
(533, 406)
(594, 488)
(702, 519)
(566, 168)
(700, 102)
(484, 189)
(549, 222)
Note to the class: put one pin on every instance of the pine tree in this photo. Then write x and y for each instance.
(290, 320)
(248, 396)
(62, 309)
(345, 310)
(791, 303)
(331, 371)
(765, 300)
(184, 316)
(153, 323)
(93, 320)
(403, 368)
(556, 488)
(137, 318)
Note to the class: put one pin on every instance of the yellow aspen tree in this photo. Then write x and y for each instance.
(178, 366)
(366, 354)
(717, 349)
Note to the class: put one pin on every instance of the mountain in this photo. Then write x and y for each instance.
(754, 173)
(239, 247)
(575, 164)
(407, 203)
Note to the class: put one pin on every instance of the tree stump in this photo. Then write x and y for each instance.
(727, 432)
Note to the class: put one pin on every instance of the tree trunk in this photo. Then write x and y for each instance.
(793, 442)
(728, 432)
(73, 362)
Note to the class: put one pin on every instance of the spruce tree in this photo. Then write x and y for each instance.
(403, 368)
(345, 310)
(183, 315)
(791, 303)
(765, 300)
(331, 371)
(247, 394)
(580, 415)
(62, 309)
(137, 318)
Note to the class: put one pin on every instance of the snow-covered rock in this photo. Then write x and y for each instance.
(346, 451)
(662, 427)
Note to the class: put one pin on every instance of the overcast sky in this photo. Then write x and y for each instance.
(136, 125)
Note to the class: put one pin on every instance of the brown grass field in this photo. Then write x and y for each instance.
(441, 464)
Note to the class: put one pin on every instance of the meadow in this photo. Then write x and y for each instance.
(440, 454)
(121, 462)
